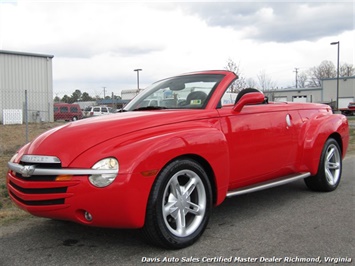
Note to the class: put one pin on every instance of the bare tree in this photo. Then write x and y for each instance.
(326, 69)
(313, 77)
(232, 66)
(240, 83)
(251, 83)
(302, 80)
(265, 82)
(346, 70)
(266, 85)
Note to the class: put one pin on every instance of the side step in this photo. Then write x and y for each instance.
(268, 184)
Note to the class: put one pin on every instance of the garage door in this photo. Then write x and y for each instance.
(344, 102)
(299, 99)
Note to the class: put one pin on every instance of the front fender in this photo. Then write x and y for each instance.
(143, 154)
(150, 154)
(315, 133)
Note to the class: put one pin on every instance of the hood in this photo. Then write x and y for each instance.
(70, 140)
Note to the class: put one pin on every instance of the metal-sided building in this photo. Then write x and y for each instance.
(26, 83)
(346, 90)
(296, 95)
(325, 94)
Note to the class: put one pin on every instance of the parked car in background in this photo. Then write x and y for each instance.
(97, 111)
(162, 167)
(350, 110)
(67, 112)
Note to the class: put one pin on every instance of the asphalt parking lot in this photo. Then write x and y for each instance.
(283, 225)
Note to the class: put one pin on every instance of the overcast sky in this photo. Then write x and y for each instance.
(98, 44)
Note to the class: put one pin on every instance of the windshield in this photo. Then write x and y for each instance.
(182, 92)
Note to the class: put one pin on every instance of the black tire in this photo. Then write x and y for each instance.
(329, 170)
(176, 219)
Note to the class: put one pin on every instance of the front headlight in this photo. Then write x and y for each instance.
(103, 180)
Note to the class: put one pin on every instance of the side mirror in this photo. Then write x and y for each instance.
(249, 98)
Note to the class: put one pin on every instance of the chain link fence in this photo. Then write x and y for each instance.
(26, 107)
(23, 107)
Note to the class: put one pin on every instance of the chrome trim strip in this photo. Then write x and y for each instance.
(265, 185)
(39, 159)
(28, 171)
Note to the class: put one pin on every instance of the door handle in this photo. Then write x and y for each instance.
(288, 120)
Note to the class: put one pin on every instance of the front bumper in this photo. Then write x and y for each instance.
(119, 205)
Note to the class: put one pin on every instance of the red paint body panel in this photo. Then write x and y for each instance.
(260, 142)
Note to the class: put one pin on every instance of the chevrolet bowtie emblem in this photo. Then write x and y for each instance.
(27, 170)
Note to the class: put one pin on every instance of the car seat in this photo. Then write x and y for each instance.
(196, 98)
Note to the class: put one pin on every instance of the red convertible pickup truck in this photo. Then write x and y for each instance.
(175, 151)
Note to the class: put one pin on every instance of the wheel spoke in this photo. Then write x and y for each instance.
(329, 176)
(333, 166)
(181, 223)
(194, 208)
(170, 209)
(330, 154)
(175, 188)
(189, 188)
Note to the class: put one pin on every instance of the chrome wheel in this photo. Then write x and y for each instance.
(332, 164)
(329, 169)
(179, 205)
(184, 203)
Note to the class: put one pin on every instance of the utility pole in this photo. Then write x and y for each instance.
(104, 91)
(296, 70)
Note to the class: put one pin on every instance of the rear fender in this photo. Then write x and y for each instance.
(316, 131)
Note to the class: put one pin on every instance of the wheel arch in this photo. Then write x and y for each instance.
(206, 166)
(336, 136)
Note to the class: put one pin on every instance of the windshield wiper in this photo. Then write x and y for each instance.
(149, 108)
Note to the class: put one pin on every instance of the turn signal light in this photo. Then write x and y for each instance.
(149, 172)
(63, 178)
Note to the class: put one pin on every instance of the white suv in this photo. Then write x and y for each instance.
(97, 110)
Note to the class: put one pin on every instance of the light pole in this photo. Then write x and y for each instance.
(104, 92)
(296, 70)
(337, 102)
(137, 70)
